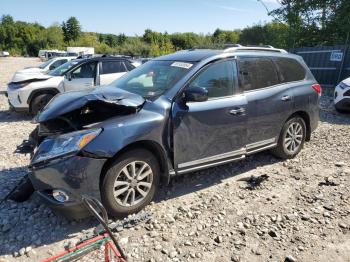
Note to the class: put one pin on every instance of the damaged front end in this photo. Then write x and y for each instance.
(73, 111)
(65, 126)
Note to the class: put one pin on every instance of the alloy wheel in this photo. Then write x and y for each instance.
(133, 183)
(293, 137)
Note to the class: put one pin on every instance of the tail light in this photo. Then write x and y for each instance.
(317, 88)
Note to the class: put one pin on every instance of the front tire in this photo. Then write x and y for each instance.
(130, 182)
(39, 102)
(291, 139)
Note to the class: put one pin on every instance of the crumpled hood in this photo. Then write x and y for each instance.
(21, 77)
(30, 70)
(108, 96)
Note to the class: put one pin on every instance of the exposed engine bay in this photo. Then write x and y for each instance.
(70, 112)
(74, 111)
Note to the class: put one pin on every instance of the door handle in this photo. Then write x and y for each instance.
(237, 111)
(286, 98)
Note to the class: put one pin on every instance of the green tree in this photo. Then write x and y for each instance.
(71, 29)
(54, 36)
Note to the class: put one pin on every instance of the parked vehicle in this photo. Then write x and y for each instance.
(172, 115)
(49, 54)
(44, 67)
(96, 71)
(31, 92)
(81, 50)
(342, 96)
(4, 54)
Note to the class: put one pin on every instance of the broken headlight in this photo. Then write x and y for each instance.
(64, 144)
(14, 86)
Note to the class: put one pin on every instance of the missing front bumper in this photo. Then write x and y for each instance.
(75, 175)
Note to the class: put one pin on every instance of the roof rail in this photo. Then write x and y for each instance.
(265, 48)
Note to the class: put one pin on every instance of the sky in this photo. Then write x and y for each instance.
(132, 17)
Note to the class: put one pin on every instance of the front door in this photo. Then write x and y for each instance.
(82, 77)
(211, 132)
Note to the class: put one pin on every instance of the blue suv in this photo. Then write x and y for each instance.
(175, 114)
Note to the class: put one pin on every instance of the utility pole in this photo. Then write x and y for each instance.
(289, 22)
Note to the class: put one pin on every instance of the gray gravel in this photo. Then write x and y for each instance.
(300, 212)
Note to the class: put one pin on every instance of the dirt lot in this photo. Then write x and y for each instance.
(300, 212)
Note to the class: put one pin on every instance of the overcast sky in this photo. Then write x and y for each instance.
(134, 16)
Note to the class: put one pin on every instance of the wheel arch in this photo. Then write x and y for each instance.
(49, 90)
(152, 146)
(305, 116)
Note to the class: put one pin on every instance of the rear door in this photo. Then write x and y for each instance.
(110, 71)
(82, 77)
(269, 101)
(214, 131)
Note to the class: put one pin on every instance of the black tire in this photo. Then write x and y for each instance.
(282, 150)
(38, 103)
(341, 110)
(114, 172)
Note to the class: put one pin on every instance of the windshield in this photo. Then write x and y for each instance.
(153, 78)
(59, 71)
(42, 66)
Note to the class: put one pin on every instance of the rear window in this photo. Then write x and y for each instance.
(290, 69)
(111, 67)
(257, 73)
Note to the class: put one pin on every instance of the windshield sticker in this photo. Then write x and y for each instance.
(182, 65)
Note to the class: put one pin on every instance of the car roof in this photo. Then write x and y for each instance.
(196, 55)
(63, 57)
(105, 58)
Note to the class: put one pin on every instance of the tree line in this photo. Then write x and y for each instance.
(296, 23)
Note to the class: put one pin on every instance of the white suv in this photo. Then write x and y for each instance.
(342, 96)
(31, 92)
(45, 67)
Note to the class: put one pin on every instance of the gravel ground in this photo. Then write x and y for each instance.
(299, 212)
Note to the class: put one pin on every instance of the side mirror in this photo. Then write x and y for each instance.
(196, 94)
(68, 76)
(52, 67)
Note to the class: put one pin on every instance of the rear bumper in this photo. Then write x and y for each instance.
(75, 175)
(314, 114)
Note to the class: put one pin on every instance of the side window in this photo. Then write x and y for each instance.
(219, 79)
(257, 73)
(111, 67)
(57, 63)
(129, 66)
(290, 70)
(87, 70)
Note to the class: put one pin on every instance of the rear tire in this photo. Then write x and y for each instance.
(130, 183)
(39, 102)
(291, 139)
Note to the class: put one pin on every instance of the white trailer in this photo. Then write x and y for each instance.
(81, 50)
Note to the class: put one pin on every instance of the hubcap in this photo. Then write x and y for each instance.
(133, 183)
(293, 137)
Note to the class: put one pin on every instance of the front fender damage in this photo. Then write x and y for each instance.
(74, 111)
